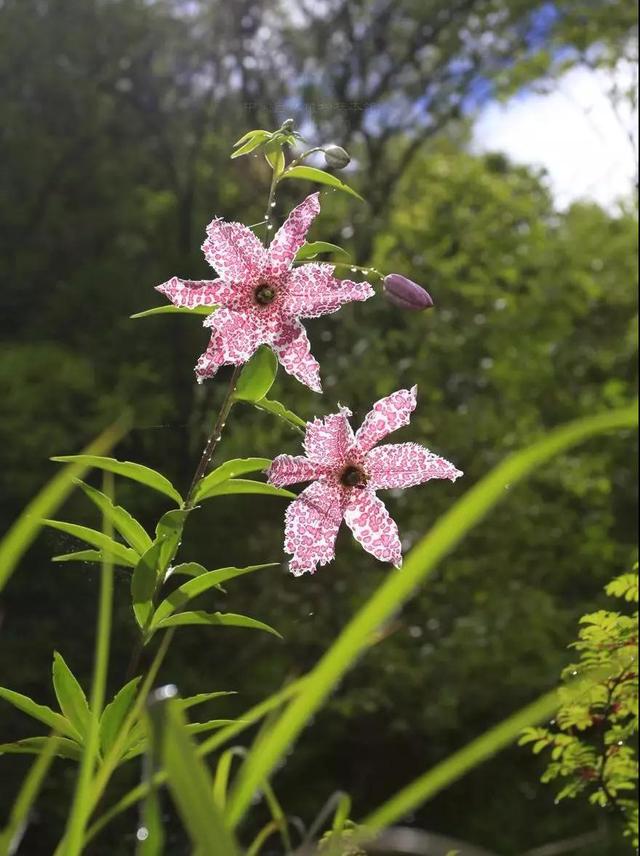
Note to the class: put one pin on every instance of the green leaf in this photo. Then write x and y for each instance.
(279, 410)
(229, 470)
(254, 140)
(127, 469)
(187, 591)
(132, 531)
(313, 249)
(310, 173)
(115, 713)
(169, 533)
(188, 779)
(245, 486)
(125, 555)
(70, 695)
(275, 158)
(44, 714)
(257, 377)
(250, 134)
(201, 698)
(215, 619)
(186, 569)
(11, 835)
(143, 584)
(37, 745)
(92, 556)
(18, 538)
(170, 309)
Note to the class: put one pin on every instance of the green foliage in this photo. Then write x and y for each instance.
(593, 739)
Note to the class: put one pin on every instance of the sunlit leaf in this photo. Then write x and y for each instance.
(132, 531)
(313, 249)
(257, 377)
(231, 469)
(187, 591)
(232, 486)
(252, 141)
(65, 748)
(115, 712)
(143, 583)
(279, 410)
(311, 173)
(54, 721)
(127, 469)
(125, 555)
(98, 556)
(215, 619)
(70, 695)
(170, 309)
(275, 158)
(187, 778)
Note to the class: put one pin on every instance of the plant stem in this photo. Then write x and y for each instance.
(81, 808)
(367, 271)
(214, 436)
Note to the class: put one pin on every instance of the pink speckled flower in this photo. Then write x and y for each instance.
(261, 296)
(347, 469)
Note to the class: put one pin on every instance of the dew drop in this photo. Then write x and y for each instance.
(273, 204)
(269, 226)
(142, 833)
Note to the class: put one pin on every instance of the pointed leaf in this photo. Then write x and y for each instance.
(275, 158)
(169, 533)
(201, 698)
(41, 712)
(310, 173)
(125, 555)
(213, 619)
(132, 531)
(127, 469)
(257, 377)
(170, 309)
(143, 584)
(245, 486)
(70, 695)
(257, 139)
(210, 725)
(250, 134)
(186, 569)
(231, 469)
(280, 411)
(187, 591)
(92, 556)
(314, 248)
(37, 745)
(188, 779)
(115, 713)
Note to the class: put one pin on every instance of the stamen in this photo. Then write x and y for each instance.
(264, 294)
(353, 477)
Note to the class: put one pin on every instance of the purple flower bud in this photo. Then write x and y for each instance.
(336, 157)
(405, 294)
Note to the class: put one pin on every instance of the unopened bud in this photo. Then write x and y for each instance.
(336, 157)
(287, 125)
(405, 294)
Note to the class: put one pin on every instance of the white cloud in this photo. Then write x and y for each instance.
(573, 132)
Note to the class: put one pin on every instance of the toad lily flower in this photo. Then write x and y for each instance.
(261, 296)
(347, 469)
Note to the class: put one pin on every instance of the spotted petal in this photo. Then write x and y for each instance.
(387, 415)
(235, 252)
(311, 526)
(373, 527)
(292, 348)
(404, 465)
(312, 290)
(234, 338)
(291, 235)
(195, 292)
(290, 469)
(328, 440)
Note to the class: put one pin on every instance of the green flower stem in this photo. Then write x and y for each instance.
(214, 436)
(81, 808)
(304, 156)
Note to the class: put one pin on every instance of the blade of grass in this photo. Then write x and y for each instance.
(82, 807)
(449, 530)
(20, 535)
(18, 818)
